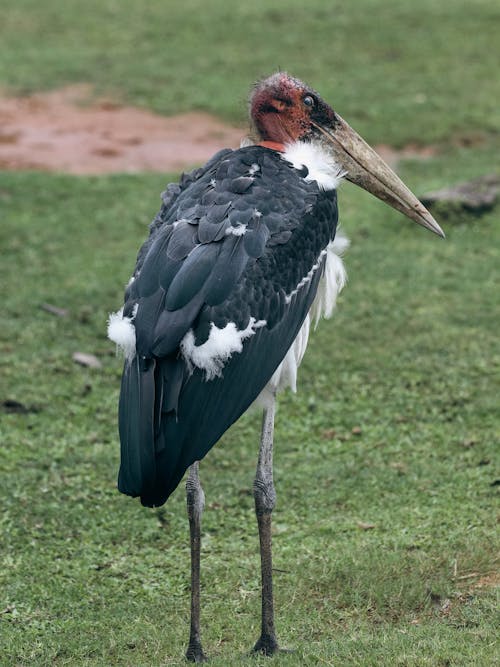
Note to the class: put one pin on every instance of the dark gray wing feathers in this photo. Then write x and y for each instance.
(231, 241)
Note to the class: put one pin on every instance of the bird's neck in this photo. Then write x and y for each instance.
(274, 145)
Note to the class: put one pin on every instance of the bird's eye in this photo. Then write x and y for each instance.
(309, 101)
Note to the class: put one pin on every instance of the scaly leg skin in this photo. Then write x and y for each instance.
(265, 499)
(195, 503)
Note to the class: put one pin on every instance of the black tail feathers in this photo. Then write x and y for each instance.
(147, 418)
(136, 425)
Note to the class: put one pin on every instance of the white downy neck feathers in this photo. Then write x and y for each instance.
(321, 166)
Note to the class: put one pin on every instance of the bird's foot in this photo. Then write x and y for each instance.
(266, 645)
(195, 653)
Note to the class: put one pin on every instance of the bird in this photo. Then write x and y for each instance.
(241, 259)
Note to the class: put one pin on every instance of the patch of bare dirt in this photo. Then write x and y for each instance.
(491, 580)
(68, 131)
(62, 131)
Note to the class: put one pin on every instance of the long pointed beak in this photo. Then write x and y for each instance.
(366, 168)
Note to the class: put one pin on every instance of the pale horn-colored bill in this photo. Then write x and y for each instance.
(367, 169)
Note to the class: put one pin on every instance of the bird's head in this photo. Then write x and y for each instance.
(284, 110)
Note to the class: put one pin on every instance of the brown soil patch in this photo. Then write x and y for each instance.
(67, 130)
(491, 580)
(62, 131)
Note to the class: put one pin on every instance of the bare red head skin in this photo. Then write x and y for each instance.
(284, 109)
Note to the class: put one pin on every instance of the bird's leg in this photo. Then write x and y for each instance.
(195, 504)
(265, 498)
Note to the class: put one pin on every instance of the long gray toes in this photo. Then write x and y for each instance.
(266, 645)
(195, 653)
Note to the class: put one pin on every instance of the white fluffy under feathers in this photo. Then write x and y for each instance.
(121, 331)
(220, 345)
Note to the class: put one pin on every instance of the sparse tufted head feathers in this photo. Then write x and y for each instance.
(284, 109)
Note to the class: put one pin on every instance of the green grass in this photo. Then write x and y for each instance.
(398, 71)
(89, 577)
(410, 361)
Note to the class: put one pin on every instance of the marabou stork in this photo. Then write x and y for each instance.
(239, 261)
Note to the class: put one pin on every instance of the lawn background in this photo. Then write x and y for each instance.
(396, 422)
